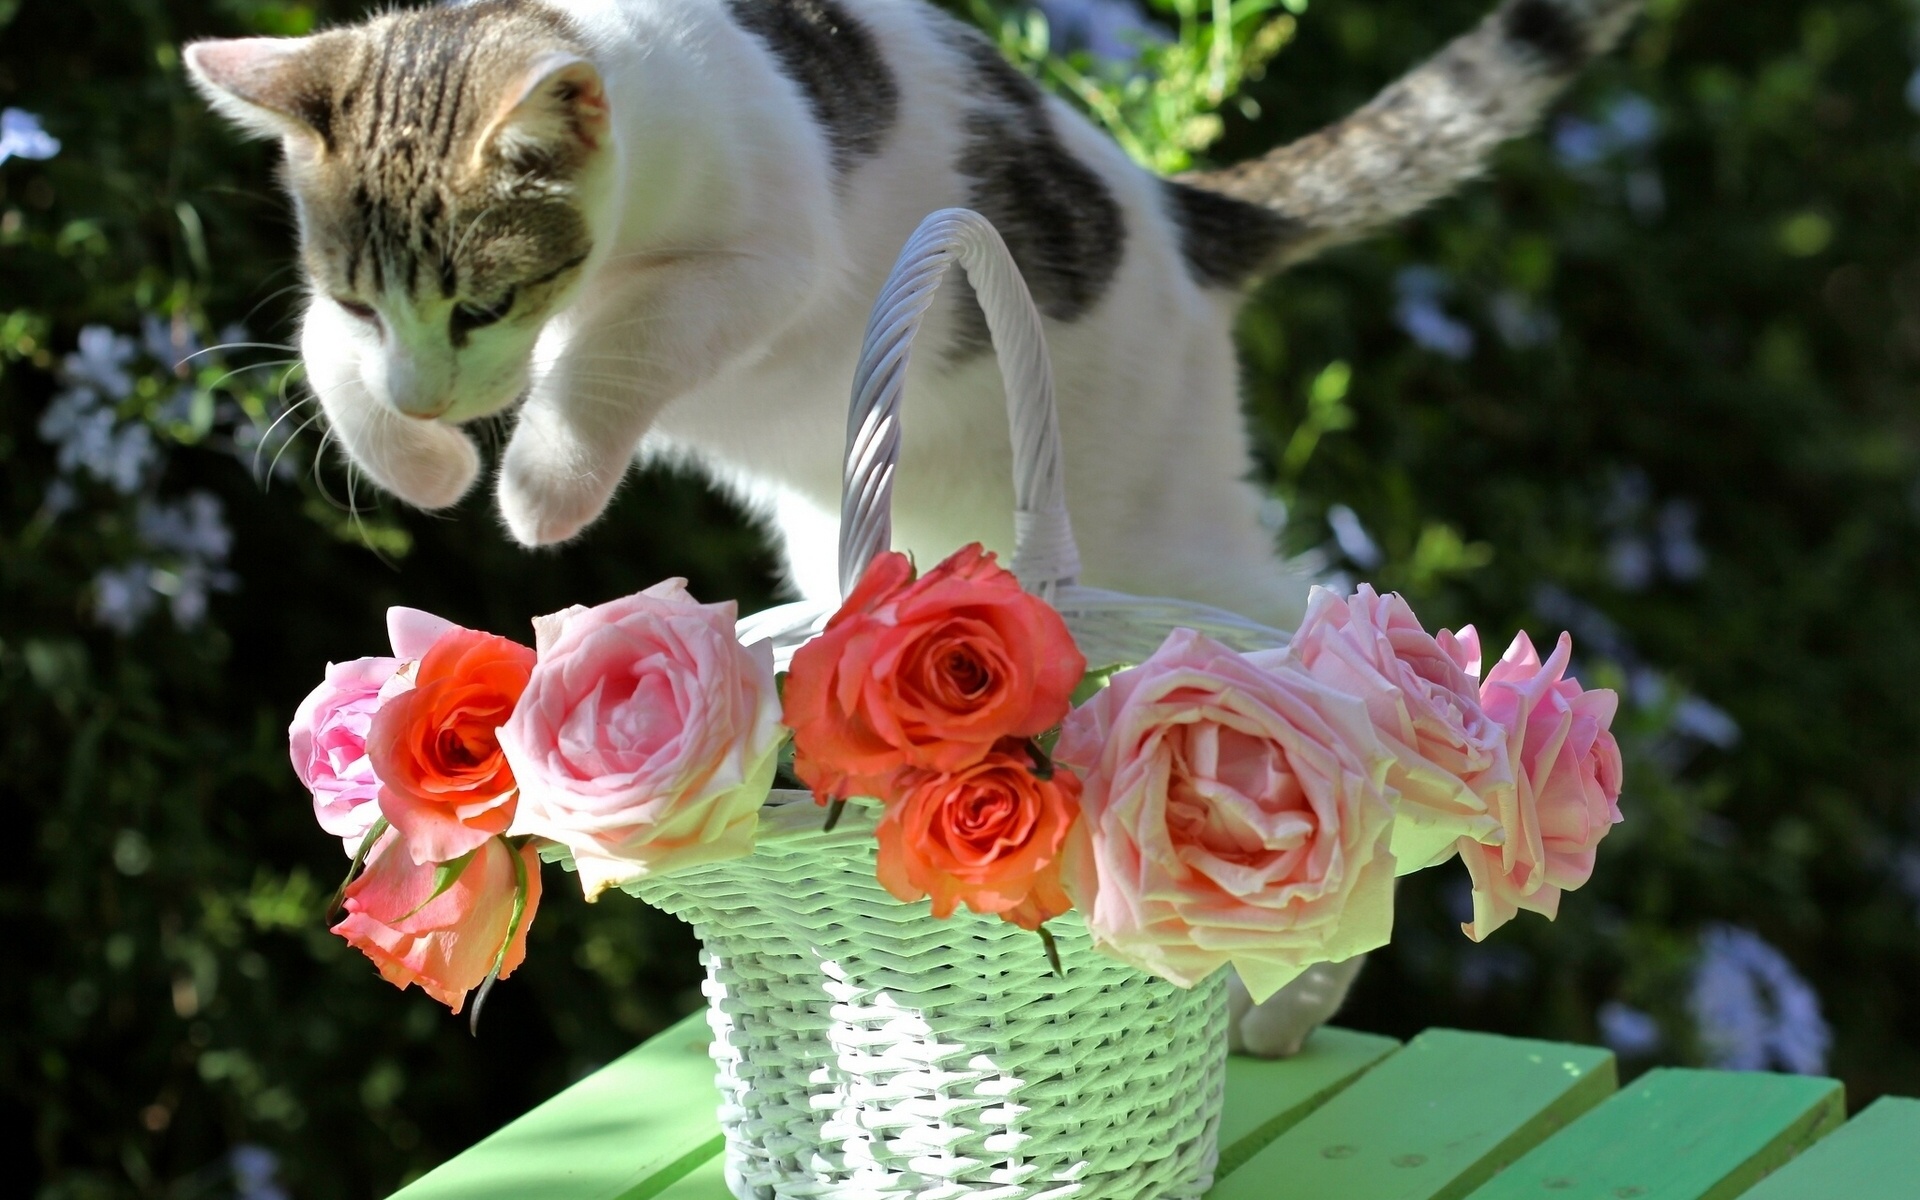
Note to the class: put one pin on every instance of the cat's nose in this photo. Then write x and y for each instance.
(424, 409)
(417, 389)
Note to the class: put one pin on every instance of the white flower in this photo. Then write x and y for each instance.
(22, 137)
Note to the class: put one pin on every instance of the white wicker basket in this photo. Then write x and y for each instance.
(869, 1052)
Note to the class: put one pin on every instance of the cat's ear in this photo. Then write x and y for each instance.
(270, 87)
(554, 112)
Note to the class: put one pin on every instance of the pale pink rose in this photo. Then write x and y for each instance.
(1567, 768)
(1423, 693)
(328, 737)
(413, 632)
(647, 737)
(1238, 813)
(328, 743)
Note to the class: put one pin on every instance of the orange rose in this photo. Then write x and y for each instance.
(436, 748)
(991, 836)
(926, 674)
(447, 944)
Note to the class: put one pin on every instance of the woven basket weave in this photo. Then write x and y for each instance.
(869, 1052)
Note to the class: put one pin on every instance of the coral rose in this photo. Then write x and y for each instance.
(1238, 813)
(991, 836)
(647, 738)
(927, 674)
(1567, 768)
(448, 944)
(328, 743)
(1423, 693)
(445, 784)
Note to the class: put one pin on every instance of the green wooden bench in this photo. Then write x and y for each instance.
(1447, 1116)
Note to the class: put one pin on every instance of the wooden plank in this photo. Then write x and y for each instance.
(708, 1181)
(626, 1132)
(1432, 1122)
(1265, 1098)
(1875, 1156)
(1678, 1135)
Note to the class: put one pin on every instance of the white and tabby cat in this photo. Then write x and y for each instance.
(659, 224)
(663, 221)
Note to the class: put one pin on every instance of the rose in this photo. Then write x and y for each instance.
(447, 943)
(1567, 771)
(328, 743)
(926, 674)
(327, 739)
(1237, 812)
(647, 737)
(436, 747)
(992, 836)
(1422, 692)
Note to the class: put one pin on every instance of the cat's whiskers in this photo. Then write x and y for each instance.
(266, 480)
(266, 435)
(236, 346)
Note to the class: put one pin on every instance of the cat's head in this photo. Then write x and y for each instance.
(447, 167)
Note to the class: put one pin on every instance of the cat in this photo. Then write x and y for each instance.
(659, 224)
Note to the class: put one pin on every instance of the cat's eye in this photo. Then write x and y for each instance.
(356, 309)
(468, 316)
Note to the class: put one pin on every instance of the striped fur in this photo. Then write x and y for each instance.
(1427, 133)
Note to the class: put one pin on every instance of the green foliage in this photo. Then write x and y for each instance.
(1661, 395)
(1163, 107)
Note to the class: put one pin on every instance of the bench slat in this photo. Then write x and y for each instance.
(708, 1181)
(1432, 1122)
(1875, 1156)
(623, 1133)
(1677, 1135)
(1267, 1098)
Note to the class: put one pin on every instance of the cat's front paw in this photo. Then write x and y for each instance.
(543, 504)
(424, 463)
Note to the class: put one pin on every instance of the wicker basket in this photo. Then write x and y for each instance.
(869, 1052)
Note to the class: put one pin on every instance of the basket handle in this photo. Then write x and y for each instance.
(1044, 555)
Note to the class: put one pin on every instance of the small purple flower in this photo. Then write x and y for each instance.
(1418, 312)
(1753, 1010)
(1110, 29)
(123, 596)
(101, 362)
(1354, 540)
(1628, 1031)
(22, 137)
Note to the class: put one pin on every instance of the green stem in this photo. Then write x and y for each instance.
(359, 858)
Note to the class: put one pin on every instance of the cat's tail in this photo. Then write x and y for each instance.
(1428, 132)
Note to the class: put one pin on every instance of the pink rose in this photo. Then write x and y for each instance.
(647, 737)
(1237, 811)
(1450, 758)
(1567, 768)
(328, 737)
(448, 944)
(328, 743)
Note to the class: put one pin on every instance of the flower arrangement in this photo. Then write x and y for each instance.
(1201, 808)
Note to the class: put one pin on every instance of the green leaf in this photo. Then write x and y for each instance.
(445, 876)
(521, 884)
(1094, 680)
(367, 844)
